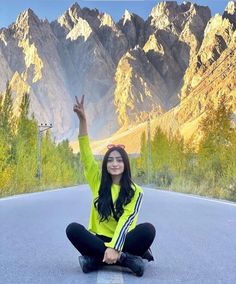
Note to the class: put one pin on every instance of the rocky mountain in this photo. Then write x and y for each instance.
(210, 74)
(30, 49)
(130, 70)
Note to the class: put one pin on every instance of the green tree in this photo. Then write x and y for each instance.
(160, 156)
(142, 161)
(6, 137)
(26, 149)
(213, 149)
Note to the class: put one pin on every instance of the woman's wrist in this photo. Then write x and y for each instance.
(82, 119)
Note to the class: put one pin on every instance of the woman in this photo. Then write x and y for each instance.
(113, 237)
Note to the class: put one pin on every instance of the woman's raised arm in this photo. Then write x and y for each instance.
(91, 169)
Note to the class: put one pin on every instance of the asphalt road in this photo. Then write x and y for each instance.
(195, 242)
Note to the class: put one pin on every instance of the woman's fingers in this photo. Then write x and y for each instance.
(82, 100)
(77, 101)
(109, 259)
(76, 108)
(104, 257)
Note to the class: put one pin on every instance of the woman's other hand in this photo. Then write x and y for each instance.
(79, 108)
(111, 256)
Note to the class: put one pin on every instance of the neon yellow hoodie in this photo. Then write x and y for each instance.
(115, 230)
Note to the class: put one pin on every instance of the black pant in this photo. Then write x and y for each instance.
(137, 241)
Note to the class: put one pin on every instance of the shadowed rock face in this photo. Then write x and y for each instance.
(210, 74)
(127, 70)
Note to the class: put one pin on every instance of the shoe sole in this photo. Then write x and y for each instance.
(81, 262)
(139, 273)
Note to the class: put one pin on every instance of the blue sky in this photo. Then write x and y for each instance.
(52, 9)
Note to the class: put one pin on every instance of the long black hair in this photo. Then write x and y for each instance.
(103, 203)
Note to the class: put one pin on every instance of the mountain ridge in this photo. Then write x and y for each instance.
(129, 70)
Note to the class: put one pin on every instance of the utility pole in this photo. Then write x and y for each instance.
(41, 128)
(149, 149)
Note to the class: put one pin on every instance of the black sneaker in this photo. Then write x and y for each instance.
(88, 263)
(148, 255)
(133, 262)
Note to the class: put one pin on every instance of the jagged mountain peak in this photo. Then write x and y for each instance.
(217, 22)
(27, 13)
(193, 7)
(74, 12)
(177, 19)
(231, 7)
(171, 9)
(168, 4)
(230, 12)
(71, 16)
(164, 7)
(28, 24)
(127, 16)
(106, 20)
(27, 17)
(75, 8)
(130, 18)
(132, 27)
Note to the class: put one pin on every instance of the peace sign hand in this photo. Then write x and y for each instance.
(79, 108)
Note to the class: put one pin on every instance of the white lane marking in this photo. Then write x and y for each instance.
(110, 275)
(192, 196)
(148, 188)
(35, 193)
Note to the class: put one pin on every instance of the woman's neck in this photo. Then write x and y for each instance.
(116, 179)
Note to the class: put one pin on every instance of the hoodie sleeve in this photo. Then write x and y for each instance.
(129, 215)
(91, 169)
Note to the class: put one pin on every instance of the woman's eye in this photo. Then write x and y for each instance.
(118, 160)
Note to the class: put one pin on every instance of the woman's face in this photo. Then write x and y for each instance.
(115, 164)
